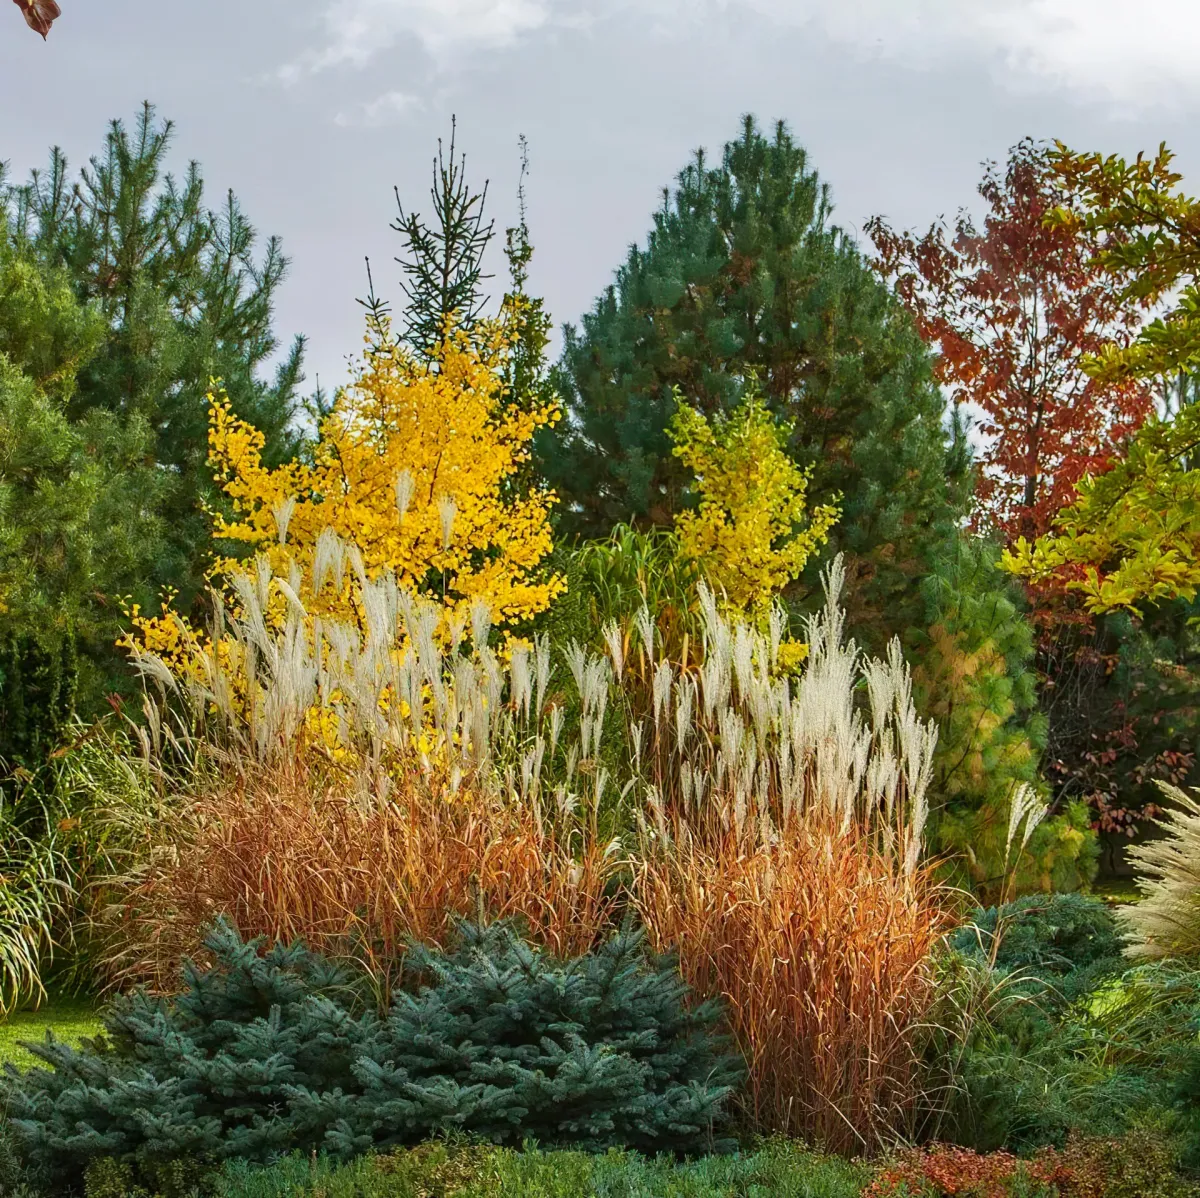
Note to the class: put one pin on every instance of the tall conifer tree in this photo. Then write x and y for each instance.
(742, 275)
(184, 296)
(78, 523)
(443, 264)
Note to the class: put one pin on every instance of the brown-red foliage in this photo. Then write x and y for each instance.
(1141, 1164)
(1011, 307)
(39, 14)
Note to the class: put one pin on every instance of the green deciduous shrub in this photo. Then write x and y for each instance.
(264, 1053)
(185, 1177)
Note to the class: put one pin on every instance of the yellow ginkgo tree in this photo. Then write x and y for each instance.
(413, 469)
(751, 532)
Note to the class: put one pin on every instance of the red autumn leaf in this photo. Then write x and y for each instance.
(39, 14)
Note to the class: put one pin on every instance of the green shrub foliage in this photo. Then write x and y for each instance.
(1121, 1055)
(779, 1169)
(266, 1052)
(1047, 935)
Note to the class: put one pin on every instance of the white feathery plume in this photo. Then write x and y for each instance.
(616, 647)
(282, 513)
(405, 486)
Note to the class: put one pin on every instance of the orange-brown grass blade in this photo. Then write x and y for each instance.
(329, 869)
(822, 948)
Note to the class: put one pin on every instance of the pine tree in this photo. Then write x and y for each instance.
(77, 522)
(744, 274)
(973, 672)
(182, 297)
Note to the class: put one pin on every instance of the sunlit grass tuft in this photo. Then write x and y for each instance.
(70, 1019)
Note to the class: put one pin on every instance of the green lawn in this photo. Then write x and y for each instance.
(68, 1018)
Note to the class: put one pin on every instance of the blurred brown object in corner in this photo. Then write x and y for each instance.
(39, 14)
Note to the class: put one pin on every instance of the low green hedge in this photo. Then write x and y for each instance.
(778, 1171)
(1144, 1165)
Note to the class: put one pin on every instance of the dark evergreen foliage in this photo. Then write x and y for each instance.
(443, 268)
(505, 1043)
(743, 273)
(1041, 1069)
(182, 296)
(266, 1052)
(1048, 935)
(78, 527)
(37, 699)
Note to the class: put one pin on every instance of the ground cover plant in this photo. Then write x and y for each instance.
(1142, 1164)
(778, 1169)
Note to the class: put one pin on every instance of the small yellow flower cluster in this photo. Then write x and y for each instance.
(750, 533)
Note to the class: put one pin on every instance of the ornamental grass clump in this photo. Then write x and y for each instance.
(290, 855)
(1166, 922)
(781, 855)
(365, 783)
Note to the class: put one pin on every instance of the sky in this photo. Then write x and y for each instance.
(314, 110)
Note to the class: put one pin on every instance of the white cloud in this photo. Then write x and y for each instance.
(357, 30)
(1139, 58)
(383, 110)
(1106, 49)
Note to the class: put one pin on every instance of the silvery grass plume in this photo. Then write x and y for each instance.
(400, 681)
(735, 741)
(1166, 922)
(729, 740)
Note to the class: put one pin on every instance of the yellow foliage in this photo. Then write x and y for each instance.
(750, 534)
(412, 474)
(413, 468)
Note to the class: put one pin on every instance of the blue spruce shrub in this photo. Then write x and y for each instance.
(266, 1052)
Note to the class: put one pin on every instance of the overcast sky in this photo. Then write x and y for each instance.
(313, 109)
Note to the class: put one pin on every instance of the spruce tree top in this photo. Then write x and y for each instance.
(443, 269)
